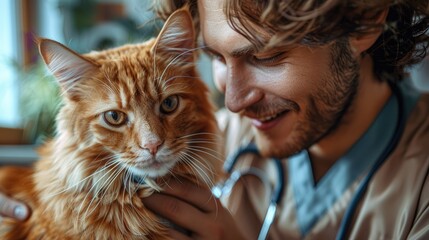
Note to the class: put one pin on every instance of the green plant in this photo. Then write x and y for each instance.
(39, 103)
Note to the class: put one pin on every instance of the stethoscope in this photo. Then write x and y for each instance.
(226, 187)
(276, 197)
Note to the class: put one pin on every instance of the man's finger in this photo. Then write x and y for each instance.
(199, 196)
(12, 208)
(177, 211)
(177, 235)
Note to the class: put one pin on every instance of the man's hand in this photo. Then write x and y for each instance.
(13, 209)
(195, 209)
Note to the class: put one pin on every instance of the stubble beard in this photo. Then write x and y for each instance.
(326, 108)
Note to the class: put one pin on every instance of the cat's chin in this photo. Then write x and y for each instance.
(154, 170)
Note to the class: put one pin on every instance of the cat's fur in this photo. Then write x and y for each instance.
(84, 185)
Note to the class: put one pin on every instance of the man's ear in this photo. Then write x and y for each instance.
(361, 43)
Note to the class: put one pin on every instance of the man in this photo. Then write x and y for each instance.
(321, 86)
(314, 83)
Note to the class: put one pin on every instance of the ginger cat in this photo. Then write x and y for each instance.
(131, 117)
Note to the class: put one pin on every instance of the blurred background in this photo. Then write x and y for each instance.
(28, 94)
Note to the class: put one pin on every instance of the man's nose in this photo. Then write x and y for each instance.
(240, 91)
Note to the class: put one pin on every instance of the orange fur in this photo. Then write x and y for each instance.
(82, 187)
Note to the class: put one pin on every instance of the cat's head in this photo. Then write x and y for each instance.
(141, 106)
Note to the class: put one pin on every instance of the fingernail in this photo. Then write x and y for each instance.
(20, 212)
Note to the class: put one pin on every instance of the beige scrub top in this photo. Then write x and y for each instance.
(394, 206)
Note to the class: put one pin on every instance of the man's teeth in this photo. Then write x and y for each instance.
(265, 119)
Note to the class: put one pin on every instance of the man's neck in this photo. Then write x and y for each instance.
(370, 98)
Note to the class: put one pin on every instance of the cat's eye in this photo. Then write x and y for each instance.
(169, 104)
(115, 118)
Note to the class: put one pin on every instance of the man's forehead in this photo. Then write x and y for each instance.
(212, 5)
(217, 31)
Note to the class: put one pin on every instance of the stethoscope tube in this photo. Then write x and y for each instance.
(348, 215)
(274, 202)
(230, 162)
(276, 196)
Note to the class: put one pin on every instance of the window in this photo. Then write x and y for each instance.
(9, 50)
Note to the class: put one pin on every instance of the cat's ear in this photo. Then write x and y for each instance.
(176, 39)
(67, 66)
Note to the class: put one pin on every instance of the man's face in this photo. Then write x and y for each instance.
(292, 95)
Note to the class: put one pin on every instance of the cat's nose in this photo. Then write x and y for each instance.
(153, 146)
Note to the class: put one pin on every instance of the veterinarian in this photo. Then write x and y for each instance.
(325, 136)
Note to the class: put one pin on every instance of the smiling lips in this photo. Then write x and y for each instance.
(268, 122)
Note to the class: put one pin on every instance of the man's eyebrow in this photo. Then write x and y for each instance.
(243, 51)
(204, 47)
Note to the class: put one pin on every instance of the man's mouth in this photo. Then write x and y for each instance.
(269, 118)
(267, 122)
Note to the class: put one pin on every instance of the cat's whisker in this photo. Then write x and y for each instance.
(104, 185)
(189, 164)
(203, 174)
(193, 148)
(135, 209)
(161, 78)
(129, 181)
(177, 88)
(174, 175)
(208, 180)
(154, 68)
(97, 189)
(217, 136)
(108, 86)
(126, 184)
(209, 138)
(177, 57)
(70, 187)
(65, 91)
(214, 152)
(164, 181)
(198, 157)
(167, 81)
(203, 142)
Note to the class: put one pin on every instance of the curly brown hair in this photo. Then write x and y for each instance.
(403, 42)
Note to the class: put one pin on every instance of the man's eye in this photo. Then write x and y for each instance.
(216, 56)
(269, 58)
